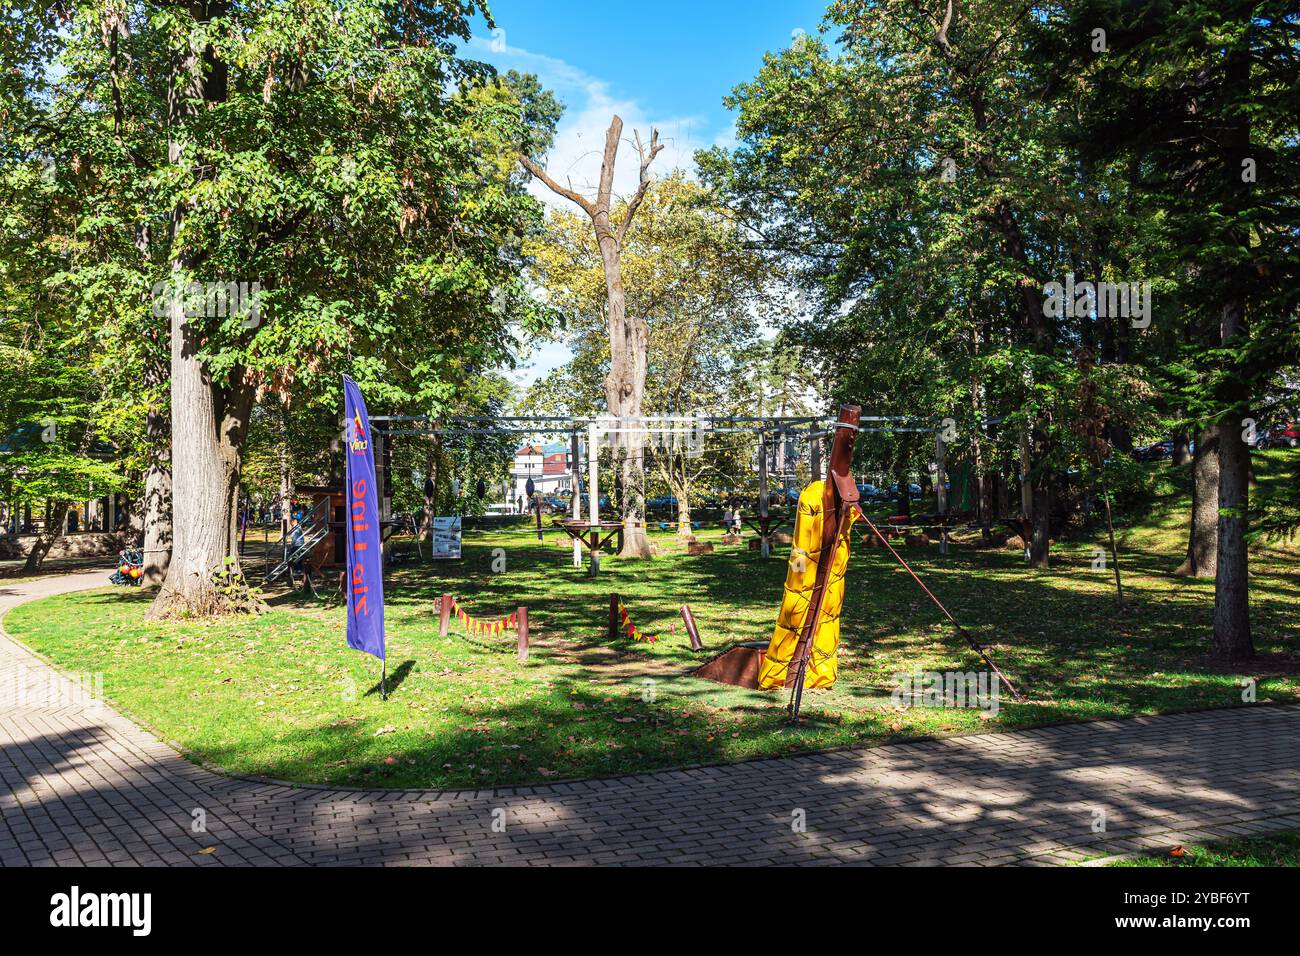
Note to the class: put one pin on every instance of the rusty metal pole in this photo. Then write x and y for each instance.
(444, 615)
(838, 498)
(691, 631)
(521, 621)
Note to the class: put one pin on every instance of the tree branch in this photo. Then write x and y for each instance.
(644, 183)
(942, 35)
(556, 188)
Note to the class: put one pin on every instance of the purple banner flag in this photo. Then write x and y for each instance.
(365, 559)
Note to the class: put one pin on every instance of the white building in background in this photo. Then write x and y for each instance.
(549, 466)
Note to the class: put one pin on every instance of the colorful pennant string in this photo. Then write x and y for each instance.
(631, 629)
(474, 625)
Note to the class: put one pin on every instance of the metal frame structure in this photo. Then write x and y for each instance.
(814, 428)
(589, 533)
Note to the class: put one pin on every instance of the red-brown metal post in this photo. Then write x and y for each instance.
(444, 615)
(838, 497)
(689, 620)
(521, 619)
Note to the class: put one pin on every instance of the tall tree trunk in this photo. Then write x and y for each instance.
(1203, 538)
(1026, 482)
(982, 489)
(157, 485)
(678, 483)
(209, 425)
(1002, 491)
(628, 336)
(431, 499)
(684, 529)
(286, 489)
(438, 475)
(1041, 540)
(682, 492)
(1232, 638)
(1032, 317)
(209, 419)
(1182, 451)
(56, 518)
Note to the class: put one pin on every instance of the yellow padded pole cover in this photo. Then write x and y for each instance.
(805, 555)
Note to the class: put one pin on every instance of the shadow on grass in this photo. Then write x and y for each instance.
(393, 681)
(1058, 634)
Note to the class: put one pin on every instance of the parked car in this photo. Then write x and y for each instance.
(1157, 452)
(913, 490)
(1283, 436)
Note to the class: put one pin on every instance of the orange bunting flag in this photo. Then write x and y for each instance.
(632, 632)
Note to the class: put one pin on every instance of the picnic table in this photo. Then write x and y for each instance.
(589, 535)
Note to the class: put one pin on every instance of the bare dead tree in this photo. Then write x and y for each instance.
(628, 335)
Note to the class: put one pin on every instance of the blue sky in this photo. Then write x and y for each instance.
(670, 63)
(666, 65)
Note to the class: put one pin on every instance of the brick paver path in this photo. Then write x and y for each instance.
(83, 785)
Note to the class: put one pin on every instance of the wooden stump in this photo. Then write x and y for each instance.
(696, 548)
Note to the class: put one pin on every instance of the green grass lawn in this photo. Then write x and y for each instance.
(1273, 849)
(282, 696)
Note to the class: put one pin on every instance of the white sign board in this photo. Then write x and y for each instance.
(446, 537)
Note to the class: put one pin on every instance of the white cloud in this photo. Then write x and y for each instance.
(544, 357)
(574, 159)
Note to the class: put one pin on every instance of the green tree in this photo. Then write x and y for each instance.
(1200, 100)
(344, 159)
